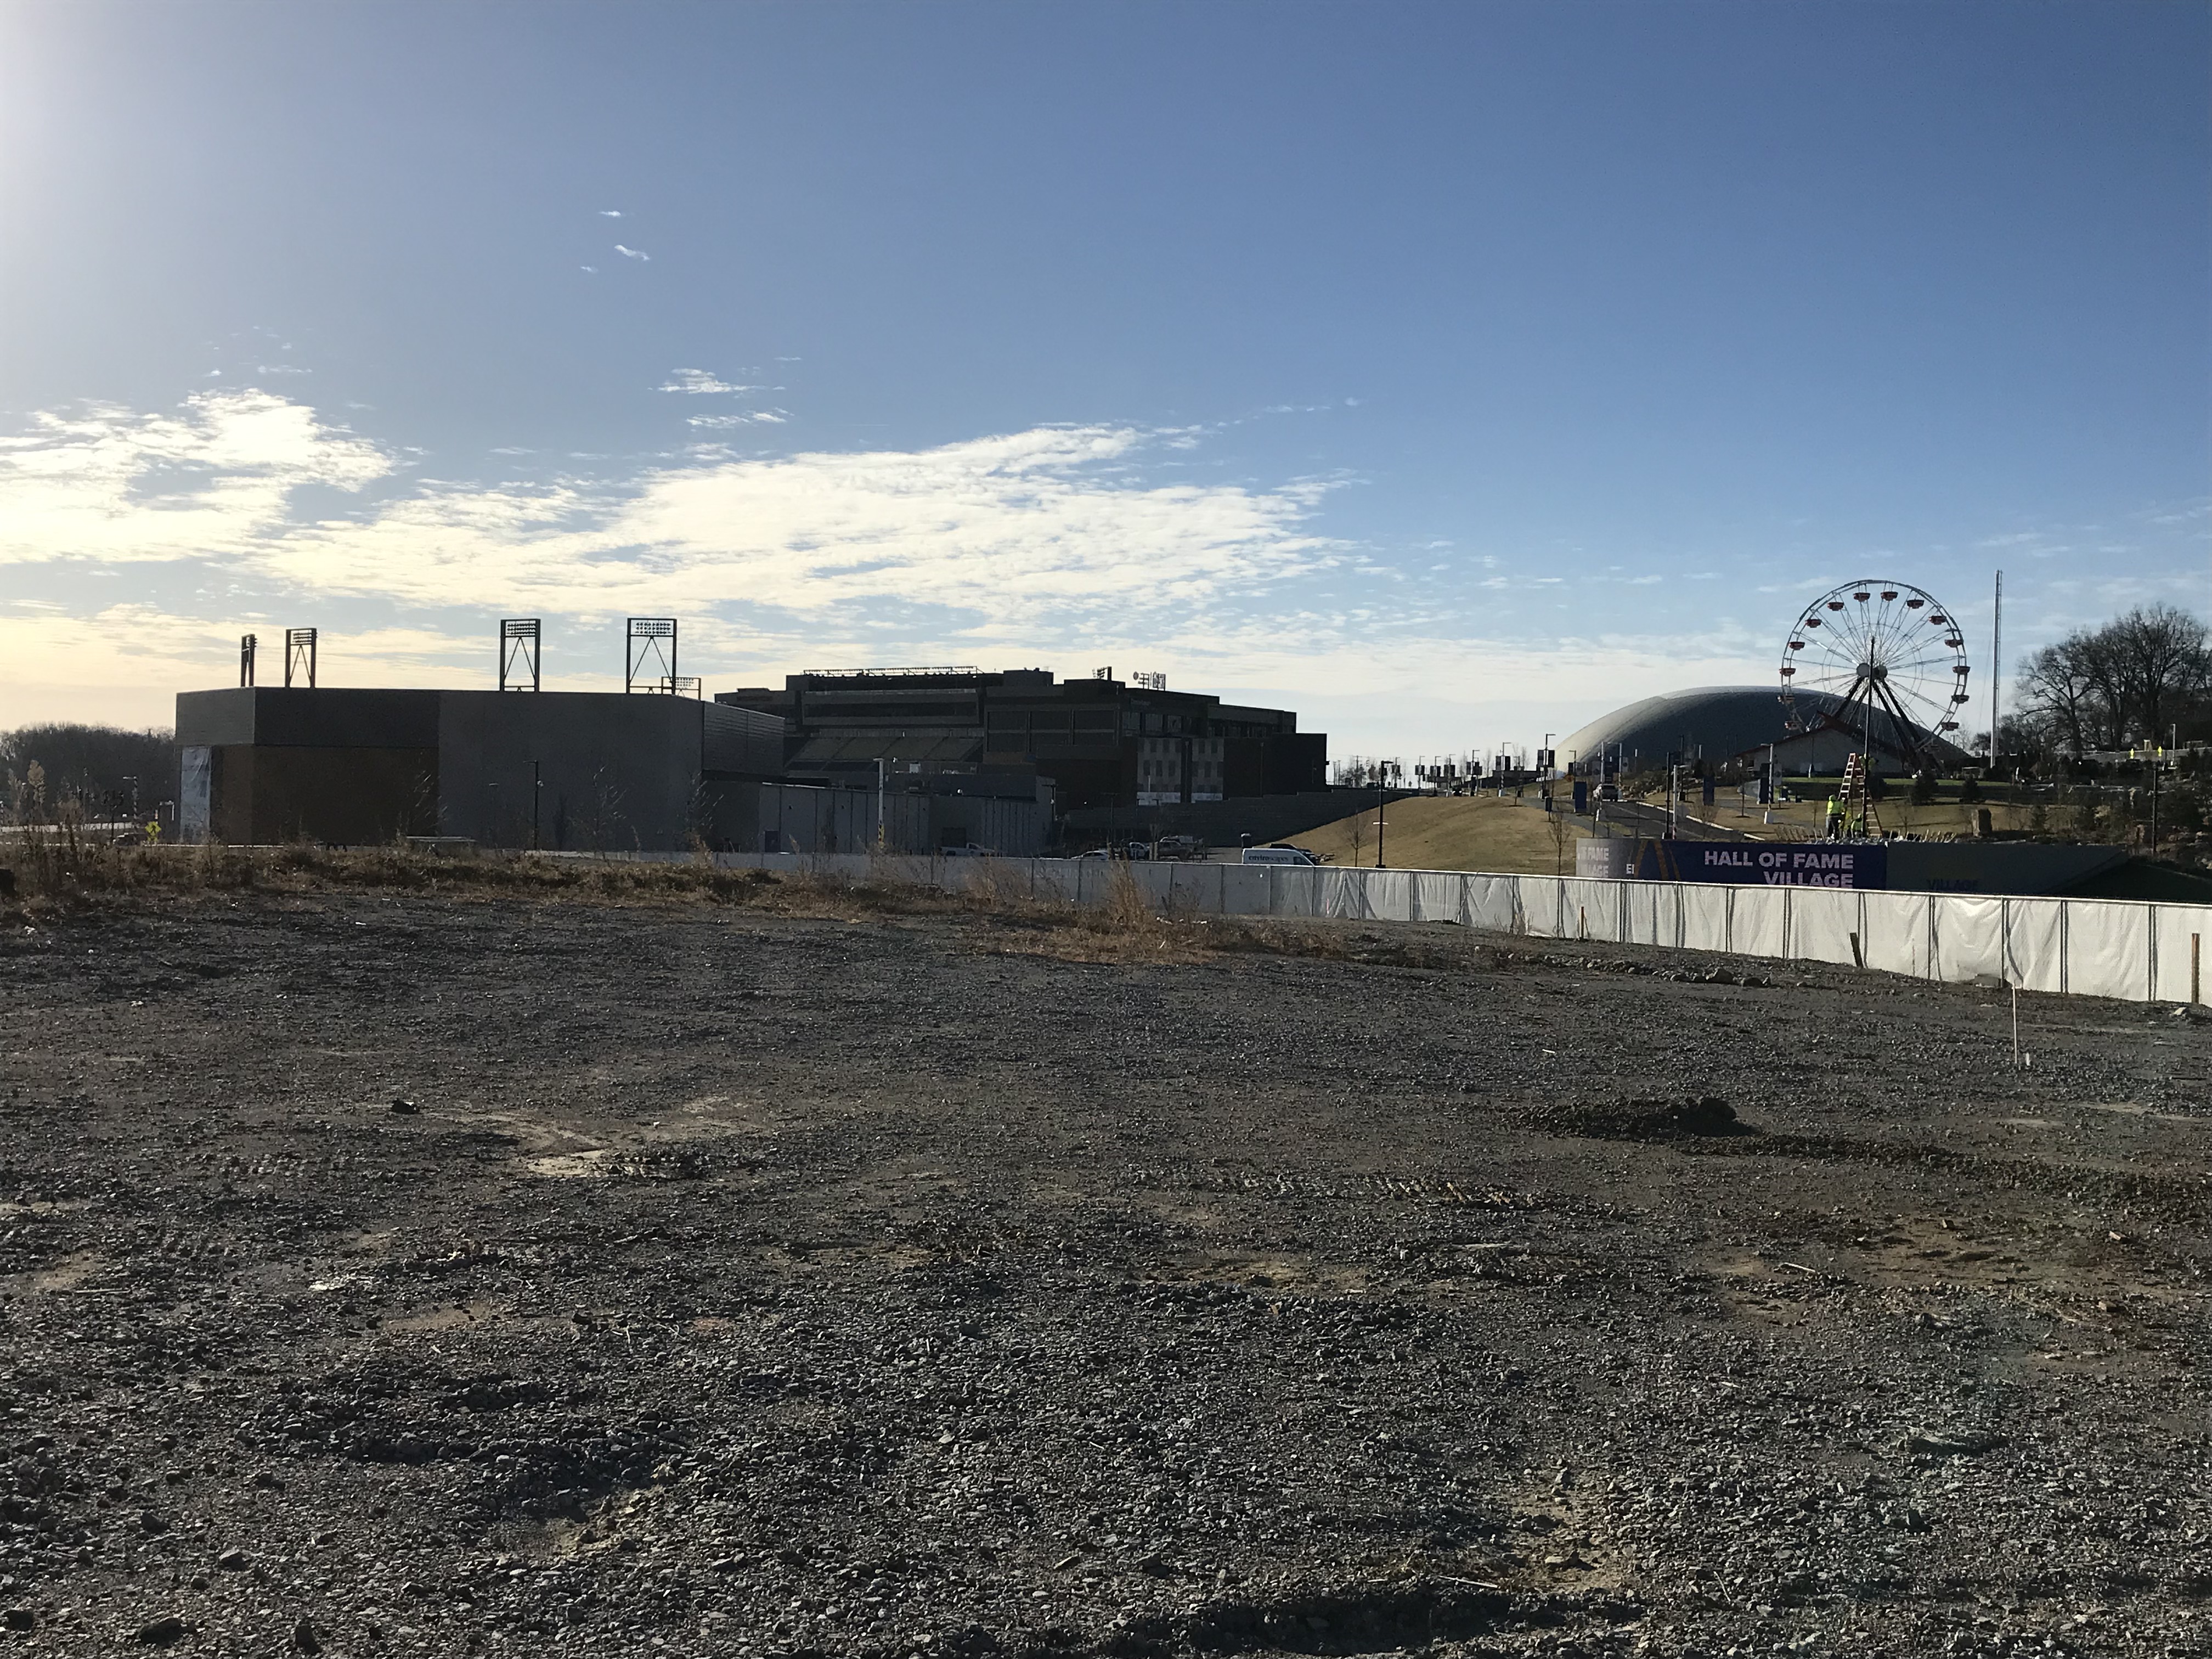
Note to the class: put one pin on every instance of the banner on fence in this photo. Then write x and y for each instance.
(1760, 864)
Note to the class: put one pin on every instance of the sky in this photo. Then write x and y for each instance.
(1450, 374)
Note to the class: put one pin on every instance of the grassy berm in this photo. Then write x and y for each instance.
(792, 1271)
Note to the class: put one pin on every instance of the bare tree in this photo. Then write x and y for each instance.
(2057, 693)
(2130, 681)
(2159, 665)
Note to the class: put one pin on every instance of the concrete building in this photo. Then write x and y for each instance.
(1101, 742)
(562, 771)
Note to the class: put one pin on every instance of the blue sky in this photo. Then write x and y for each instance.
(1451, 373)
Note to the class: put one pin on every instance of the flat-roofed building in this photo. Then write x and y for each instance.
(1102, 742)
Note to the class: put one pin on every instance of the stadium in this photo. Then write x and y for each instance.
(1724, 724)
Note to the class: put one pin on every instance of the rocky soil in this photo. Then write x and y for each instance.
(395, 1276)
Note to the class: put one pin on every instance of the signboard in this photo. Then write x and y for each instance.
(1766, 863)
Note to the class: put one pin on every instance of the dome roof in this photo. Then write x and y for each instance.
(1721, 721)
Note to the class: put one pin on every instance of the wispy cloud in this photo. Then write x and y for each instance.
(700, 383)
(216, 475)
(763, 416)
(610, 213)
(630, 253)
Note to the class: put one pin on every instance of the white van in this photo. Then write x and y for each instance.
(1278, 855)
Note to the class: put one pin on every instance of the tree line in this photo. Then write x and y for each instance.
(2143, 679)
(103, 772)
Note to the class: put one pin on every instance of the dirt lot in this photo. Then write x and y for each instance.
(732, 1284)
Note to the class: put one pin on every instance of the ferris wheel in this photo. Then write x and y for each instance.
(1882, 659)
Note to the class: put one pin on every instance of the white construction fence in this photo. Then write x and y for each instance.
(2141, 952)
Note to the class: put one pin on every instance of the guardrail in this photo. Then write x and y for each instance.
(2123, 948)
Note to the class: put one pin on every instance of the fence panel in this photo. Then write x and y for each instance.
(1589, 909)
(1343, 895)
(1970, 938)
(1704, 916)
(2035, 944)
(1245, 890)
(1056, 879)
(1494, 903)
(1896, 933)
(1759, 922)
(1640, 912)
(1440, 895)
(1822, 923)
(2184, 936)
(1295, 891)
(1180, 892)
(1543, 908)
(2107, 949)
(1390, 895)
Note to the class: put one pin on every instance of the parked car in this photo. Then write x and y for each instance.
(966, 850)
(1183, 847)
(1298, 856)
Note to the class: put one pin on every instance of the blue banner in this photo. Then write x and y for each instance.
(1766, 863)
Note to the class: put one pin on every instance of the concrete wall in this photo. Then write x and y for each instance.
(262, 764)
(583, 771)
(751, 816)
(262, 795)
(741, 742)
(568, 770)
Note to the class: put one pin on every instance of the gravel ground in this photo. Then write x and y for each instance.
(396, 1276)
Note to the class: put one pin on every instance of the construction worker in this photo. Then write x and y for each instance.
(1835, 818)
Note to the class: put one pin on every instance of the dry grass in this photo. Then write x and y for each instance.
(1451, 832)
(1898, 813)
(57, 874)
(56, 870)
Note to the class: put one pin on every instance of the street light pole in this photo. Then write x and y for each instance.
(1382, 775)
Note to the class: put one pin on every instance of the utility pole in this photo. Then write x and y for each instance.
(2152, 748)
(1382, 777)
(1997, 672)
